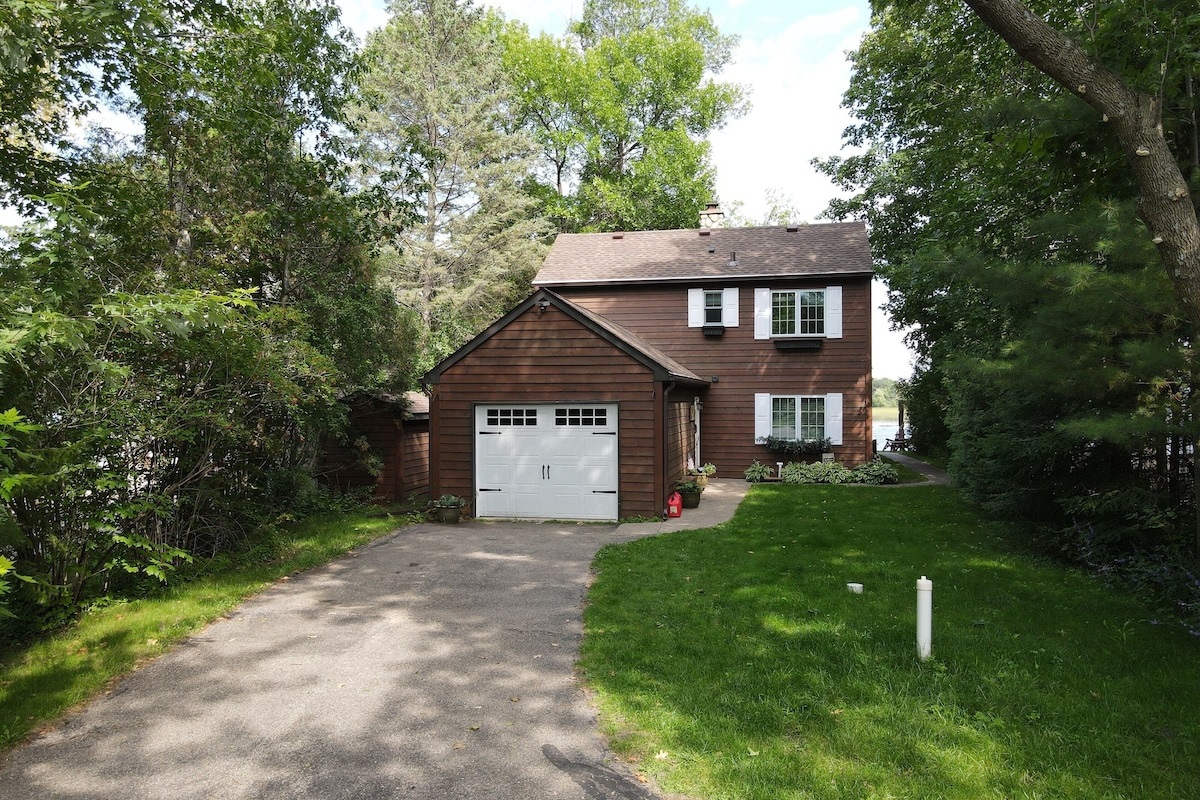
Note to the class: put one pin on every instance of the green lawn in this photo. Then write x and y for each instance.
(733, 663)
(38, 683)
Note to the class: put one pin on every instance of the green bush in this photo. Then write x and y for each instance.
(820, 472)
(795, 447)
(875, 473)
(757, 472)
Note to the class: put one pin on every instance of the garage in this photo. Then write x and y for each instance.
(546, 461)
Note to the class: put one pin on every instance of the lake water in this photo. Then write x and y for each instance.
(883, 431)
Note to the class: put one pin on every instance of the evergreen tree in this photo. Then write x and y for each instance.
(440, 138)
(1054, 356)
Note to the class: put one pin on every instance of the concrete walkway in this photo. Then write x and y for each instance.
(438, 662)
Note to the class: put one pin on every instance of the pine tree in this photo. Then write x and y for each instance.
(440, 139)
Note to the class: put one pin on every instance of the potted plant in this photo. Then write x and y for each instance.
(690, 492)
(448, 508)
(702, 473)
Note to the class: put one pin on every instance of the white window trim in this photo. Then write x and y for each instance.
(833, 414)
(833, 314)
(729, 308)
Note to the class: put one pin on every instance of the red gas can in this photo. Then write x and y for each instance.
(674, 505)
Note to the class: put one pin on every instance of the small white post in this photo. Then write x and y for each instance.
(779, 469)
(924, 618)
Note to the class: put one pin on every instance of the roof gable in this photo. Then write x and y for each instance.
(661, 365)
(824, 250)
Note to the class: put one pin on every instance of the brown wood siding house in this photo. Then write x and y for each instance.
(548, 386)
(649, 282)
(636, 342)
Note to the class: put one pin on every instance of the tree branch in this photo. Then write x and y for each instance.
(1164, 199)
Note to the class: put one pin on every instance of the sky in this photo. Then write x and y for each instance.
(791, 56)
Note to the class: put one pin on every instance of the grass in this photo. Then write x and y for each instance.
(907, 474)
(41, 681)
(885, 414)
(733, 663)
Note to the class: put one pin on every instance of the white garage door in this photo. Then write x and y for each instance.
(546, 462)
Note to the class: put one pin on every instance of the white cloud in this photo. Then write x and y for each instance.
(796, 79)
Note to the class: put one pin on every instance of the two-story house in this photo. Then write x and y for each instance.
(641, 350)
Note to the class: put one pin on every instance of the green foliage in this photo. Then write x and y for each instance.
(795, 447)
(439, 141)
(757, 472)
(817, 472)
(449, 501)
(620, 108)
(885, 392)
(876, 472)
(1054, 356)
(181, 312)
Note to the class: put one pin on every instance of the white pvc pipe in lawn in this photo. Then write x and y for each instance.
(924, 618)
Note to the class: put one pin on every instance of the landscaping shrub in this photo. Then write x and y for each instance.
(875, 473)
(820, 472)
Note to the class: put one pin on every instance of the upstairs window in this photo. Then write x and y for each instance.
(709, 308)
(714, 303)
(782, 313)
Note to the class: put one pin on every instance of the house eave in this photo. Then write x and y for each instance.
(702, 278)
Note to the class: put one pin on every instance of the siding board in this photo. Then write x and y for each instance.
(744, 366)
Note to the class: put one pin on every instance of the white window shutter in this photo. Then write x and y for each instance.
(729, 311)
(833, 312)
(833, 417)
(762, 313)
(695, 308)
(762, 416)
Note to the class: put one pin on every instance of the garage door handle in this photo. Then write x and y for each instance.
(604, 433)
(490, 433)
(491, 490)
(604, 491)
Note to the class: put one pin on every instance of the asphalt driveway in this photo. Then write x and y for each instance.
(437, 662)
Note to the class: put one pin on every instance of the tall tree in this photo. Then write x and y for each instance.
(176, 328)
(440, 137)
(1133, 112)
(620, 108)
(1054, 356)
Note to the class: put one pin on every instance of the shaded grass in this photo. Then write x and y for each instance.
(733, 663)
(41, 681)
(907, 474)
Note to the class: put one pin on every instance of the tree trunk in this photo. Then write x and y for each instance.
(1164, 201)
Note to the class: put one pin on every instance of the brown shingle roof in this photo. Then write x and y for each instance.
(838, 248)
